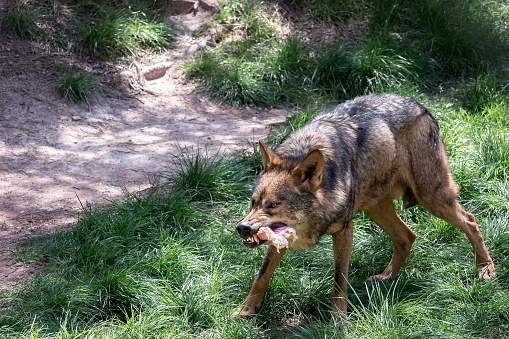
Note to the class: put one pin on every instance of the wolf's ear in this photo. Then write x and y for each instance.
(269, 158)
(308, 173)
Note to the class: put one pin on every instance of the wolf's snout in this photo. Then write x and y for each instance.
(244, 229)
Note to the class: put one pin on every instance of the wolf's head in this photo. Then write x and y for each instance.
(285, 195)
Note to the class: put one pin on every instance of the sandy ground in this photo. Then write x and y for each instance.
(55, 156)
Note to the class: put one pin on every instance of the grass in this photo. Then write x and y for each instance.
(424, 45)
(122, 32)
(477, 94)
(106, 30)
(22, 22)
(167, 262)
(75, 86)
(258, 74)
(217, 177)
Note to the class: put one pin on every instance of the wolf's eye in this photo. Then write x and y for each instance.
(273, 205)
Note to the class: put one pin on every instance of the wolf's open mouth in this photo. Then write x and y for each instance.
(276, 232)
(253, 241)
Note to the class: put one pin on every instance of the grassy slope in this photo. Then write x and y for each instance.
(77, 31)
(167, 262)
(425, 47)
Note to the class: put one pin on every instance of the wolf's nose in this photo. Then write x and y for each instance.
(244, 229)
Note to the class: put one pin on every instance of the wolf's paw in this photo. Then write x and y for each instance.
(486, 271)
(382, 276)
(337, 319)
(246, 311)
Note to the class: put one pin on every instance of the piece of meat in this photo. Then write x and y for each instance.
(279, 236)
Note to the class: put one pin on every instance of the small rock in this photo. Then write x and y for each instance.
(76, 118)
(156, 71)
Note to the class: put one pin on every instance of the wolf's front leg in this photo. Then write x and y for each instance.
(342, 244)
(253, 302)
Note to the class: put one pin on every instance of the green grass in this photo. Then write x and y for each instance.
(425, 45)
(218, 177)
(22, 22)
(103, 29)
(263, 74)
(121, 32)
(478, 94)
(75, 86)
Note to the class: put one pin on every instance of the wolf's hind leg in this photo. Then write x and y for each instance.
(451, 211)
(253, 302)
(385, 216)
(437, 192)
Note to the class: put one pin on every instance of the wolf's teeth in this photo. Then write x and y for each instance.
(253, 238)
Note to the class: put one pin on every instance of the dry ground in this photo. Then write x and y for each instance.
(55, 156)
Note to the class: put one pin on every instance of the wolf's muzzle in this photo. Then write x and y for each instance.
(244, 229)
(248, 235)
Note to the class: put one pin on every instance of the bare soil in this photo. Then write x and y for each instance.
(55, 156)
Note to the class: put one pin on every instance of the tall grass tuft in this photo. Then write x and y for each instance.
(493, 153)
(22, 22)
(292, 71)
(204, 177)
(75, 86)
(378, 69)
(122, 32)
(478, 94)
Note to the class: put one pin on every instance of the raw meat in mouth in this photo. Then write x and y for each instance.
(278, 235)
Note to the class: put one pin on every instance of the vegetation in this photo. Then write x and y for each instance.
(215, 178)
(423, 45)
(106, 29)
(167, 262)
(22, 23)
(75, 86)
(123, 32)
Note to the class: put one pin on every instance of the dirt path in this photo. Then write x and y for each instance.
(52, 153)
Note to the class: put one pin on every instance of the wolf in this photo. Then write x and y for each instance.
(358, 156)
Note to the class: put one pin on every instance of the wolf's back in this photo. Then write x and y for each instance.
(371, 122)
